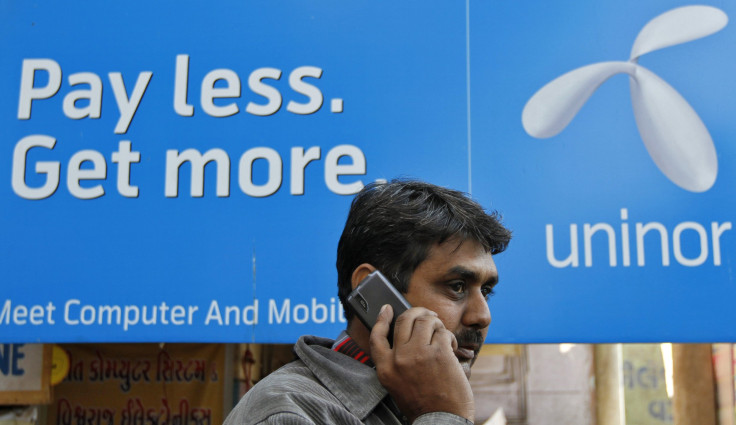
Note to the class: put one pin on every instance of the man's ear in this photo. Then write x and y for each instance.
(360, 273)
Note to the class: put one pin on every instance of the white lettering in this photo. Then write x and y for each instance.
(301, 313)
(128, 105)
(93, 95)
(703, 245)
(318, 307)
(5, 313)
(87, 315)
(213, 313)
(177, 315)
(641, 231)
(333, 169)
(124, 157)
(49, 168)
(588, 232)
(28, 89)
(677, 244)
(181, 85)
(67, 310)
(210, 92)
(75, 173)
(131, 316)
(198, 161)
(274, 316)
(313, 93)
(36, 315)
(572, 259)
(255, 82)
(250, 314)
(106, 315)
(19, 315)
(717, 230)
(299, 161)
(245, 172)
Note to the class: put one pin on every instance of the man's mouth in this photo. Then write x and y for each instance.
(469, 342)
(465, 353)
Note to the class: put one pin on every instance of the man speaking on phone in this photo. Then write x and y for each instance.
(436, 246)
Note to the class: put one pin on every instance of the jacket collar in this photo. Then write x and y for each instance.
(355, 384)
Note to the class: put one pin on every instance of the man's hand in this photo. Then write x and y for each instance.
(421, 371)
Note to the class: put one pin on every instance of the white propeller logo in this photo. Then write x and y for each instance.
(672, 131)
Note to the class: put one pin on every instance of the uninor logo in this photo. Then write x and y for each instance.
(675, 137)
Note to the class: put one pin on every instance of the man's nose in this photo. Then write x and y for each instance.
(477, 314)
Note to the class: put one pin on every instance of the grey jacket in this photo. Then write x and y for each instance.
(323, 387)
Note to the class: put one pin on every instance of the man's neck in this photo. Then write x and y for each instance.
(360, 334)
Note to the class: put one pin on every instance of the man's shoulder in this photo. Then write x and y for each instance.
(292, 378)
(293, 392)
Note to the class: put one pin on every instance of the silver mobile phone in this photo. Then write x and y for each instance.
(371, 294)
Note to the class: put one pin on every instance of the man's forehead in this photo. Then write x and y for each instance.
(461, 256)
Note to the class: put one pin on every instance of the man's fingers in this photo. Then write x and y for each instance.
(404, 328)
(455, 345)
(380, 347)
(444, 336)
(425, 328)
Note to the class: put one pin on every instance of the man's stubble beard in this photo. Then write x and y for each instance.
(467, 337)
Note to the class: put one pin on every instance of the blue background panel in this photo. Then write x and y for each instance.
(434, 92)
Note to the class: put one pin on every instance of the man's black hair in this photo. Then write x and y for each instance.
(393, 225)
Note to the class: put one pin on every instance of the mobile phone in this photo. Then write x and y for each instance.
(371, 294)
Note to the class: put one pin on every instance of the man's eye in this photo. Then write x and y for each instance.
(487, 291)
(458, 287)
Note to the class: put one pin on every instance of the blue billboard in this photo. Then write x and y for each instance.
(179, 172)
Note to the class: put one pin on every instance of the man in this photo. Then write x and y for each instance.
(435, 245)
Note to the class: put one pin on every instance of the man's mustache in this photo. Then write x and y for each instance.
(469, 337)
